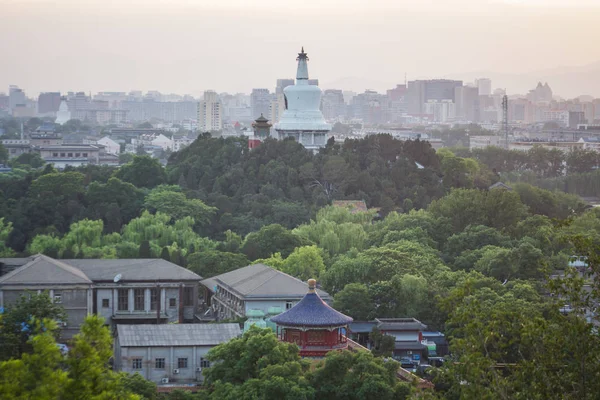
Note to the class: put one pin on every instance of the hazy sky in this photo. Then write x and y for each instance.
(187, 46)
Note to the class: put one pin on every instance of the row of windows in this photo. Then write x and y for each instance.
(139, 299)
(159, 363)
(70, 154)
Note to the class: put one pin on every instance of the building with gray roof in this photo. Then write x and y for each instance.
(121, 291)
(255, 287)
(172, 353)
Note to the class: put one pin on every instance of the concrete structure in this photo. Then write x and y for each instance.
(16, 97)
(484, 86)
(210, 114)
(16, 147)
(255, 287)
(479, 142)
(420, 92)
(260, 102)
(442, 111)
(302, 118)
(48, 103)
(121, 291)
(169, 353)
(313, 325)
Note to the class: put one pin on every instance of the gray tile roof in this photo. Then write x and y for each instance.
(142, 269)
(45, 270)
(400, 324)
(176, 334)
(262, 281)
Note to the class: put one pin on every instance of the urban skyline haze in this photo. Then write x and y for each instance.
(233, 45)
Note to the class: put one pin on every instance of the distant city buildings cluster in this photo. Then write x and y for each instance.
(298, 108)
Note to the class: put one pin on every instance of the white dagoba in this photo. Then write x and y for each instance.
(302, 118)
(63, 114)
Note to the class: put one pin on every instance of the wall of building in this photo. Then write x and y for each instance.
(124, 357)
(76, 302)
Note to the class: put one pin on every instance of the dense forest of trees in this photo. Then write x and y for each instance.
(437, 245)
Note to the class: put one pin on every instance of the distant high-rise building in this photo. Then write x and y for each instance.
(484, 86)
(422, 91)
(277, 107)
(48, 103)
(260, 102)
(314, 82)
(542, 93)
(16, 97)
(302, 118)
(467, 107)
(333, 104)
(441, 110)
(210, 116)
(282, 84)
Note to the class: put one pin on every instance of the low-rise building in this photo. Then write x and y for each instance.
(74, 155)
(255, 287)
(169, 353)
(122, 290)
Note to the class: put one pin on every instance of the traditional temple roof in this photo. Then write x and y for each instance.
(311, 311)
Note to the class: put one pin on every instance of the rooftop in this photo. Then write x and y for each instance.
(311, 311)
(41, 269)
(133, 269)
(176, 334)
(261, 281)
(400, 324)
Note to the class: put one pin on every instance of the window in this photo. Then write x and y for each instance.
(105, 303)
(77, 154)
(13, 151)
(188, 296)
(204, 363)
(123, 299)
(70, 155)
(182, 363)
(153, 299)
(136, 363)
(54, 154)
(159, 363)
(85, 154)
(57, 296)
(288, 305)
(138, 299)
(62, 154)
(172, 302)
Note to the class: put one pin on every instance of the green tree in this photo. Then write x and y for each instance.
(34, 160)
(17, 324)
(142, 172)
(383, 345)
(170, 201)
(213, 262)
(37, 374)
(137, 384)
(355, 300)
(357, 376)
(269, 240)
(145, 251)
(304, 263)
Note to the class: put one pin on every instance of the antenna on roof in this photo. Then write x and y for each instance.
(117, 278)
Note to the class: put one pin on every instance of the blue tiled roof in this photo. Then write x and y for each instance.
(311, 311)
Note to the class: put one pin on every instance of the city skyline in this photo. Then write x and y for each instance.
(189, 46)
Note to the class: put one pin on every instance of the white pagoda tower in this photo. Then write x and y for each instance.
(63, 114)
(302, 118)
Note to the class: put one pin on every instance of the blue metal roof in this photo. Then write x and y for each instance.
(311, 311)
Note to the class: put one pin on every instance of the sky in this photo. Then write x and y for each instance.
(188, 46)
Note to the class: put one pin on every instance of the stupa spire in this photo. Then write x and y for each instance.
(302, 73)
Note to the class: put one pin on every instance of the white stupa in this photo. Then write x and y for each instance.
(302, 118)
(63, 114)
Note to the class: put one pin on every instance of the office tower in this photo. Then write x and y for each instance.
(260, 102)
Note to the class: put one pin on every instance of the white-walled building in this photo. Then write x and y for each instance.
(163, 142)
(210, 113)
(110, 145)
(255, 287)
